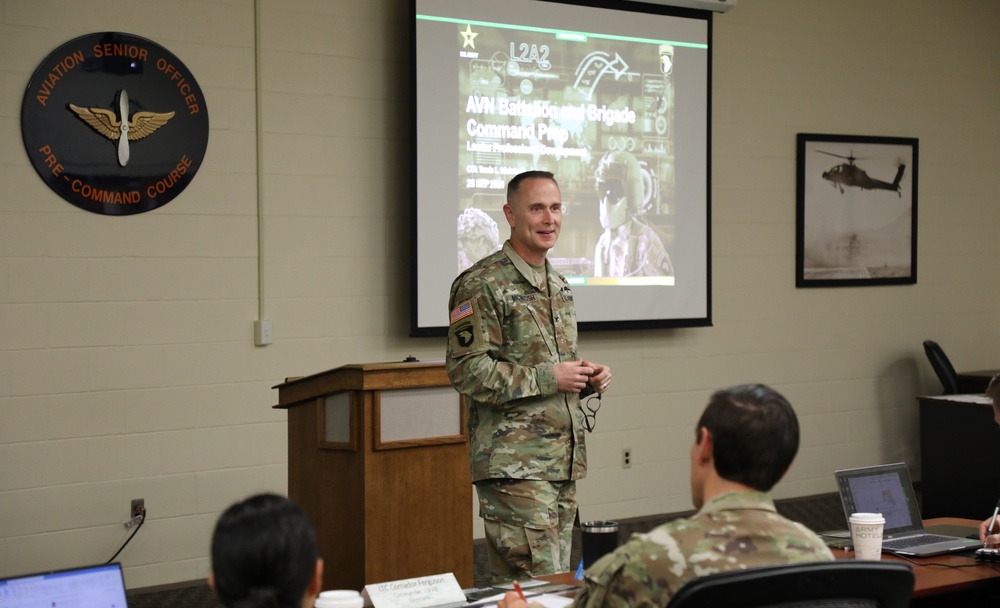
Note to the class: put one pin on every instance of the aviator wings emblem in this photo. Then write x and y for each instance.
(107, 124)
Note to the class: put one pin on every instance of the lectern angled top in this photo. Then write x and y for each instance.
(362, 377)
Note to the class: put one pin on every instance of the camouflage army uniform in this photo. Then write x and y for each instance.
(731, 532)
(510, 325)
(631, 250)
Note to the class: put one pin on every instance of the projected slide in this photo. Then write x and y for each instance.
(613, 102)
(533, 99)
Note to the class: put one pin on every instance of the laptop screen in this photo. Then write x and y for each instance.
(884, 489)
(92, 587)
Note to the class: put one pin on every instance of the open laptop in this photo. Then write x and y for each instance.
(90, 587)
(887, 489)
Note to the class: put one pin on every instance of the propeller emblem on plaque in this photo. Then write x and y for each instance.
(124, 130)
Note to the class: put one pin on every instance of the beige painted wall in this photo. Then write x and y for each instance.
(127, 367)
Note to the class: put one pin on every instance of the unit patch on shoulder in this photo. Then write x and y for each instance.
(464, 335)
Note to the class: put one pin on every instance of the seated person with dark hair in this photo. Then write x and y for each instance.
(744, 443)
(265, 554)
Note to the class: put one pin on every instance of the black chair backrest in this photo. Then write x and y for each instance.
(878, 584)
(942, 367)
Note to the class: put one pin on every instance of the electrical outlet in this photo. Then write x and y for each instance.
(138, 507)
(626, 458)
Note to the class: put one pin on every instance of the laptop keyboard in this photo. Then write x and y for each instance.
(913, 541)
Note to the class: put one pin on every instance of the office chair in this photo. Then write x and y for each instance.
(868, 584)
(942, 367)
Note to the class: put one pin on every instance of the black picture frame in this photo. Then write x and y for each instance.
(856, 221)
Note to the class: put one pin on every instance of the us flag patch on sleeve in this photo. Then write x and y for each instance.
(461, 311)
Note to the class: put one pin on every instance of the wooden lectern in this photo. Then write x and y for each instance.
(378, 456)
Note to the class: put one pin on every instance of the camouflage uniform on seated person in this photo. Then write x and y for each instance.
(731, 532)
(745, 441)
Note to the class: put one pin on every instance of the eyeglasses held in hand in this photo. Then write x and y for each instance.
(593, 404)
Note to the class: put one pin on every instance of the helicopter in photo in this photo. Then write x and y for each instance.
(849, 174)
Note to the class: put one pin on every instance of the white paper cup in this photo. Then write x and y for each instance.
(866, 534)
(339, 598)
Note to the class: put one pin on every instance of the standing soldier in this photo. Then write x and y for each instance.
(512, 353)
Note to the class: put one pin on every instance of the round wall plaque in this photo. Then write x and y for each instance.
(114, 123)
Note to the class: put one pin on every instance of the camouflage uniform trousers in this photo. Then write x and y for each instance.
(529, 526)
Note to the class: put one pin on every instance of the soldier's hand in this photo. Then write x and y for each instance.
(600, 380)
(985, 536)
(572, 376)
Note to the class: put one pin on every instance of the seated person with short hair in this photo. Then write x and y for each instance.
(265, 554)
(744, 443)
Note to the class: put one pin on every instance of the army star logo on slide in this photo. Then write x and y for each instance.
(469, 36)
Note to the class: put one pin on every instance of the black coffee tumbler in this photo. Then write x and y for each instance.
(599, 538)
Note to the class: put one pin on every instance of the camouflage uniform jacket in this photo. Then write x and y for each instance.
(731, 532)
(509, 326)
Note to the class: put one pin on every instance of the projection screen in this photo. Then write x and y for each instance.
(615, 102)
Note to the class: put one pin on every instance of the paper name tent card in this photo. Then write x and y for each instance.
(423, 592)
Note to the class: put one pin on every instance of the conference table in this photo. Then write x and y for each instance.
(933, 576)
(944, 574)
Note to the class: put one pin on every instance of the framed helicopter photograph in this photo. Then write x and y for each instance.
(856, 219)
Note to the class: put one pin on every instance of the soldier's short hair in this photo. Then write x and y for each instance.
(515, 182)
(755, 434)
